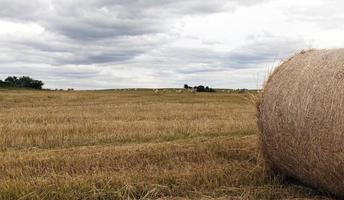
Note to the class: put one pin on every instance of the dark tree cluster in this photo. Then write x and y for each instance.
(199, 88)
(21, 82)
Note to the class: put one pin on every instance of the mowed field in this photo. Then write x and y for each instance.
(133, 145)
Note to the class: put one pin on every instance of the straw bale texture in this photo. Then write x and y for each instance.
(301, 118)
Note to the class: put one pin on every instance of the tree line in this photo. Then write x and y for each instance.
(21, 82)
(199, 88)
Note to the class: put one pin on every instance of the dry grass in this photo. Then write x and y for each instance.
(132, 145)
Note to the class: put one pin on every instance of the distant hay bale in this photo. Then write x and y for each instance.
(301, 119)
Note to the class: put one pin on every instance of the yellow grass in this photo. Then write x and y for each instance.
(132, 145)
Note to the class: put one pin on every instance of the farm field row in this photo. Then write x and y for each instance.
(133, 145)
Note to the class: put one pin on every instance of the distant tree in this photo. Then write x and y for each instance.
(186, 86)
(3, 84)
(22, 82)
(11, 80)
(36, 84)
(200, 88)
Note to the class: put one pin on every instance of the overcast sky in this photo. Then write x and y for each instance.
(98, 44)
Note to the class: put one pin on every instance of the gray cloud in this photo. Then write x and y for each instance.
(164, 63)
(23, 10)
(126, 42)
(264, 48)
(259, 49)
(325, 14)
(99, 19)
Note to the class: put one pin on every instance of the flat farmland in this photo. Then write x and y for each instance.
(135, 144)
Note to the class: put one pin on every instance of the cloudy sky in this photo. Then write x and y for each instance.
(98, 44)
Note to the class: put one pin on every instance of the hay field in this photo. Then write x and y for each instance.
(133, 145)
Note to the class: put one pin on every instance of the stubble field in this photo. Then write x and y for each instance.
(133, 145)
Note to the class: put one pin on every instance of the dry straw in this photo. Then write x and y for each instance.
(301, 118)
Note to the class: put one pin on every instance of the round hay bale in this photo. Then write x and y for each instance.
(301, 119)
